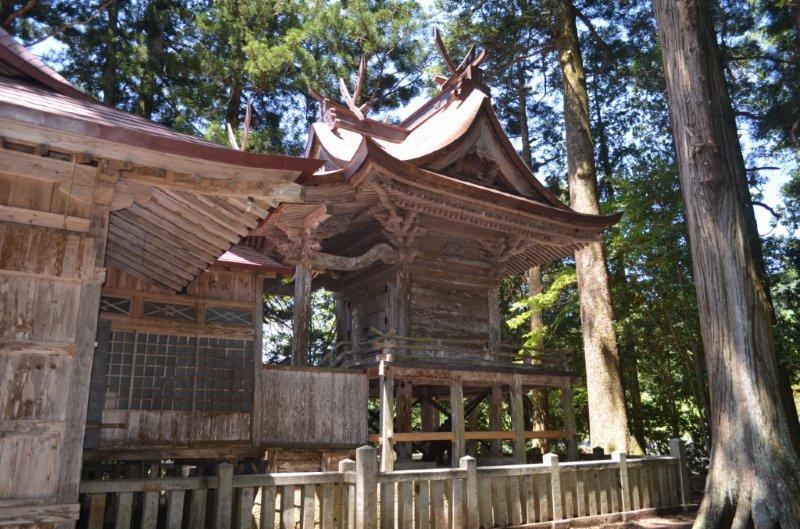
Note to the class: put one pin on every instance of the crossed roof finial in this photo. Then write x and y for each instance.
(470, 59)
(352, 101)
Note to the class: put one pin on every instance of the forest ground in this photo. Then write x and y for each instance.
(676, 521)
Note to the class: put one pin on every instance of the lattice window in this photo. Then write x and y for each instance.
(229, 316)
(114, 305)
(164, 372)
(150, 371)
(172, 311)
(120, 362)
(224, 375)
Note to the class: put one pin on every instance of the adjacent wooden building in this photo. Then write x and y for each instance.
(134, 260)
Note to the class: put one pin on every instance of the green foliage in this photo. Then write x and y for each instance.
(278, 328)
(539, 303)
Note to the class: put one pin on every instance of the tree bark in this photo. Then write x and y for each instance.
(608, 422)
(754, 477)
(522, 115)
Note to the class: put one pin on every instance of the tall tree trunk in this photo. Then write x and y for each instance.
(153, 23)
(608, 423)
(540, 401)
(522, 115)
(108, 79)
(754, 477)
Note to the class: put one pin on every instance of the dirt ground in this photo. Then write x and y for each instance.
(677, 521)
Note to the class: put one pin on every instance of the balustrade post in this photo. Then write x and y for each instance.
(551, 460)
(366, 515)
(470, 491)
(677, 448)
(224, 506)
(621, 458)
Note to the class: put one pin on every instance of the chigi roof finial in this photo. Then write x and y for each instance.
(470, 59)
(353, 100)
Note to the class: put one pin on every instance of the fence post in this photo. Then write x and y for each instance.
(347, 500)
(677, 448)
(366, 488)
(471, 491)
(621, 458)
(224, 496)
(551, 460)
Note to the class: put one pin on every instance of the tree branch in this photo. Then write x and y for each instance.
(21, 12)
(761, 204)
(102, 7)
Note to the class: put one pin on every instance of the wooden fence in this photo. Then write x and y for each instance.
(358, 496)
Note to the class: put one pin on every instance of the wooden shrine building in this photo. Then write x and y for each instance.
(420, 223)
(134, 260)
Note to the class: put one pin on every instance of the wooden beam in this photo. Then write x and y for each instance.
(149, 223)
(54, 170)
(43, 219)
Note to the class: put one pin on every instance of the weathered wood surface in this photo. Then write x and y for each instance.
(137, 428)
(466, 497)
(50, 253)
(313, 407)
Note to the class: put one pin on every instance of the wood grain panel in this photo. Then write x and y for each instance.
(303, 407)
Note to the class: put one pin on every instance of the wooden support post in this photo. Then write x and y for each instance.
(346, 499)
(621, 459)
(301, 317)
(677, 448)
(80, 377)
(471, 492)
(258, 362)
(222, 515)
(457, 420)
(518, 421)
(404, 413)
(387, 416)
(569, 419)
(495, 320)
(551, 460)
(430, 417)
(366, 515)
(495, 418)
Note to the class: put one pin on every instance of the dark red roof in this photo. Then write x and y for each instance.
(48, 100)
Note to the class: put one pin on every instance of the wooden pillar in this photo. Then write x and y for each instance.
(80, 379)
(473, 424)
(457, 420)
(496, 418)
(569, 419)
(495, 320)
(387, 417)
(301, 317)
(404, 412)
(518, 421)
(258, 362)
(430, 417)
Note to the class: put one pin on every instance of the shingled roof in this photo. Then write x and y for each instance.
(189, 201)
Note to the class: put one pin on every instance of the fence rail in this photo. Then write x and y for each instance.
(358, 496)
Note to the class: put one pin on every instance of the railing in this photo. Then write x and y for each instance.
(484, 353)
(358, 496)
